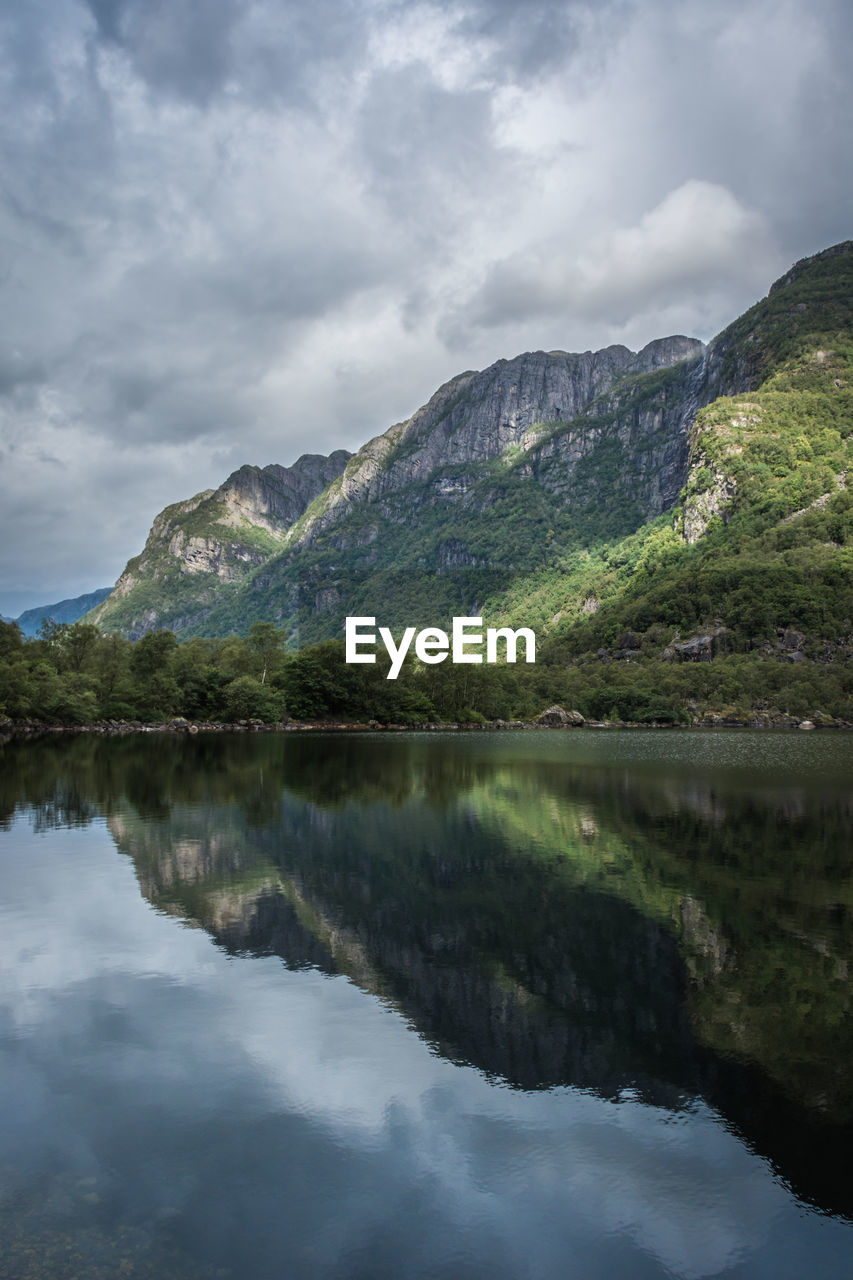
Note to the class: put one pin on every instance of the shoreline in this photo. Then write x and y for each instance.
(113, 728)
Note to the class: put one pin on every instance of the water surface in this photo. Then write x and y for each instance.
(494, 1005)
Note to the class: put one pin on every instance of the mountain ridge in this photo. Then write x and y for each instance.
(434, 437)
(518, 470)
(68, 611)
(248, 512)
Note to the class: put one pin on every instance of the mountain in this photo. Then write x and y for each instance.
(64, 611)
(199, 547)
(576, 493)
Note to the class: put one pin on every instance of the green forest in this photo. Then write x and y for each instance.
(75, 675)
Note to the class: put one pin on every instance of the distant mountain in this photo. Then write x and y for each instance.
(64, 611)
(576, 493)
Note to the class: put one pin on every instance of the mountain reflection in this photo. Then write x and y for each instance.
(662, 926)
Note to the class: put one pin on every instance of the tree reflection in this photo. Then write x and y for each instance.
(678, 932)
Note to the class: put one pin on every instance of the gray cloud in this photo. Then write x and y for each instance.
(537, 38)
(236, 1048)
(198, 50)
(428, 152)
(233, 231)
(183, 47)
(698, 241)
(19, 376)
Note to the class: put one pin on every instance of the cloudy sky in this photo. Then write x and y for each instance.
(239, 230)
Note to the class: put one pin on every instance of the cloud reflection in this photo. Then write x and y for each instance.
(237, 1102)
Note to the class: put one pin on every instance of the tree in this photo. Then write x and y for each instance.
(151, 654)
(112, 659)
(246, 698)
(11, 640)
(78, 643)
(267, 643)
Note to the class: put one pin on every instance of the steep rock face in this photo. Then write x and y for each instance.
(213, 540)
(273, 497)
(710, 486)
(557, 446)
(701, 508)
(478, 417)
(533, 406)
(646, 424)
(509, 472)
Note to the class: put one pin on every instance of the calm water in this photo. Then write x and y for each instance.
(503, 1006)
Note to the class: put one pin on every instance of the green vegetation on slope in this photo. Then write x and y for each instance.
(195, 550)
(415, 557)
(73, 675)
(544, 538)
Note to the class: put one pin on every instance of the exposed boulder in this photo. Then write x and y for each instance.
(558, 718)
(702, 647)
(700, 508)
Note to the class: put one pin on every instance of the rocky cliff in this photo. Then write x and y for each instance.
(503, 472)
(482, 416)
(213, 540)
(274, 497)
(526, 418)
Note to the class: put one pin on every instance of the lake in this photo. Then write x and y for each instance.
(488, 1005)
